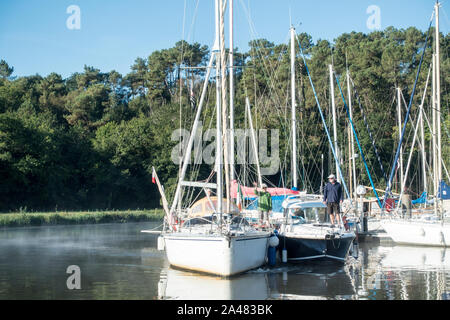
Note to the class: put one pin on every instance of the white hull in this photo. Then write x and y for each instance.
(418, 232)
(216, 254)
(374, 225)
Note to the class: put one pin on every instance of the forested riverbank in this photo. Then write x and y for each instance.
(89, 141)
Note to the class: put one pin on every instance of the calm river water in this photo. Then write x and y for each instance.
(119, 262)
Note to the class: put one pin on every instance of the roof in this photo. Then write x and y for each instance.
(302, 203)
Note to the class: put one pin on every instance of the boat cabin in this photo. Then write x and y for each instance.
(301, 211)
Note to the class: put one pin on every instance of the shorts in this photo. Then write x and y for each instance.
(333, 208)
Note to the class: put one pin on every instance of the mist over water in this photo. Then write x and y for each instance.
(117, 261)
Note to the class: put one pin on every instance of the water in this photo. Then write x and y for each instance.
(119, 262)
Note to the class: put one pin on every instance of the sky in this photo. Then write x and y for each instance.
(35, 37)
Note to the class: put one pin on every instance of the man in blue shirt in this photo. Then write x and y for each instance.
(332, 198)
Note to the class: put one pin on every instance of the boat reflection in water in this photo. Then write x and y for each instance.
(181, 285)
(314, 281)
(286, 282)
(406, 273)
(418, 258)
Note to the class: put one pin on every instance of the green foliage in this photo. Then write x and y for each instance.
(89, 141)
(70, 218)
(5, 70)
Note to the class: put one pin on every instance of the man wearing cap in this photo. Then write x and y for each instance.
(264, 202)
(332, 198)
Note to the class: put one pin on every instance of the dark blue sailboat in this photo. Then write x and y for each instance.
(306, 236)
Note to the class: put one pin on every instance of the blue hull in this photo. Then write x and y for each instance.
(301, 249)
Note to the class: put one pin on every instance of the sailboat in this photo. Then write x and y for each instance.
(304, 234)
(428, 229)
(218, 244)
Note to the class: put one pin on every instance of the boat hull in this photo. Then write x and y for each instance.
(218, 255)
(418, 233)
(301, 249)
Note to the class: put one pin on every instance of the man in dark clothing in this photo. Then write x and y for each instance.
(332, 198)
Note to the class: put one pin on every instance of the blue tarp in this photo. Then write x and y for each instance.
(277, 202)
(444, 191)
(421, 200)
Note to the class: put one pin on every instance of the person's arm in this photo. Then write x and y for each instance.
(342, 193)
(270, 202)
(257, 192)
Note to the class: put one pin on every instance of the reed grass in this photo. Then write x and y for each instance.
(25, 219)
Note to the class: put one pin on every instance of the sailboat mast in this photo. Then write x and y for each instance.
(353, 160)
(399, 116)
(424, 159)
(434, 142)
(422, 137)
(438, 97)
(231, 75)
(224, 105)
(253, 139)
(293, 108)
(333, 108)
(219, 144)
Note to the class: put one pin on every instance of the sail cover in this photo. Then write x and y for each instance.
(248, 193)
(444, 191)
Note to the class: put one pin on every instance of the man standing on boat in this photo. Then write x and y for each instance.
(406, 203)
(264, 203)
(332, 198)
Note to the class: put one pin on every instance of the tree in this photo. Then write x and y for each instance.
(5, 70)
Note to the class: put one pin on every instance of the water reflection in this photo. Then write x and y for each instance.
(314, 282)
(177, 284)
(119, 262)
(407, 273)
(287, 282)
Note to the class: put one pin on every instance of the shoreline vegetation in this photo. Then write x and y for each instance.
(32, 219)
(90, 140)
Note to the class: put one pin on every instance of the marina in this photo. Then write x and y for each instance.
(279, 173)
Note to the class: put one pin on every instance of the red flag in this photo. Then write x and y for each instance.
(153, 176)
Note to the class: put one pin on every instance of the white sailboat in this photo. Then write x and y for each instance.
(429, 229)
(216, 244)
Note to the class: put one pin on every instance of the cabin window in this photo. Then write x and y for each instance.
(308, 215)
(299, 213)
(239, 221)
(297, 216)
(197, 221)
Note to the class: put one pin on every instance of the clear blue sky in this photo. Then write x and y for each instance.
(34, 37)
